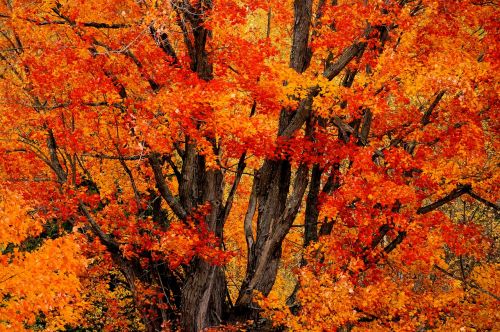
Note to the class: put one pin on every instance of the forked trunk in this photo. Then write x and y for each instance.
(203, 294)
(203, 297)
(277, 208)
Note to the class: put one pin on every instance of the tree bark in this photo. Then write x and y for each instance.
(203, 296)
(277, 208)
(300, 56)
(204, 291)
(312, 209)
(277, 211)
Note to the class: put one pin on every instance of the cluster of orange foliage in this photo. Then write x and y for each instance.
(137, 136)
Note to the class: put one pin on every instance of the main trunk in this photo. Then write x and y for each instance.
(203, 294)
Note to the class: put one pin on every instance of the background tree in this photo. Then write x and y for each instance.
(159, 139)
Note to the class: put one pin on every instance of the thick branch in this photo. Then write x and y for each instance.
(165, 192)
(67, 20)
(54, 160)
(163, 42)
(394, 243)
(112, 245)
(312, 209)
(102, 156)
(426, 118)
(382, 231)
(482, 200)
(252, 204)
(302, 113)
(365, 127)
(293, 203)
(349, 53)
(459, 191)
(174, 168)
(100, 25)
(300, 53)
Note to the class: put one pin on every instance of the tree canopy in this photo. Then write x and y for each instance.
(325, 165)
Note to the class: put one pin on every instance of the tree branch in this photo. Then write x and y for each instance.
(165, 192)
(102, 156)
(252, 204)
(54, 160)
(343, 60)
(100, 25)
(365, 127)
(471, 284)
(229, 202)
(394, 243)
(302, 113)
(132, 181)
(482, 200)
(163, 42)
(174, 168)
(426, 118)
(457, 192)
(110, 244)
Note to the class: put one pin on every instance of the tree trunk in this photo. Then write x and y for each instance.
(277, 208)
(204, 292)
(277, 211)
(203, 296)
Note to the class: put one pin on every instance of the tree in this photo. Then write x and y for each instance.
(180, 143)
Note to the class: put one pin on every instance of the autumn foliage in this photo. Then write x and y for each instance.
(227, 164)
